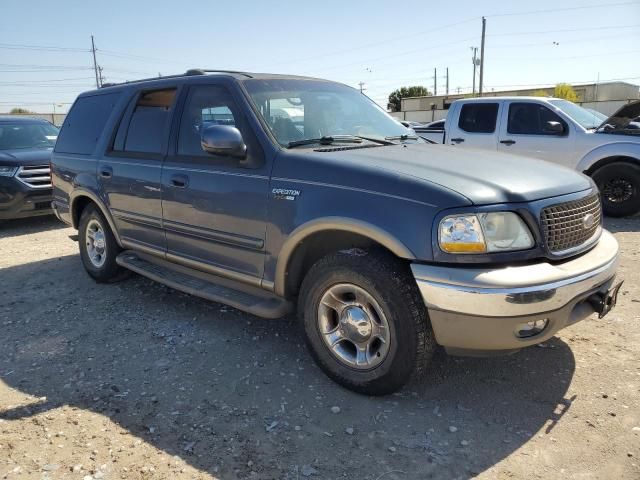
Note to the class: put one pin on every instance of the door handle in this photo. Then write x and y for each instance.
(457, 140)
(507, 142)
(179, 181)
(106, 172)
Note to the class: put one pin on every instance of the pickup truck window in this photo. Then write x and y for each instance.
(531, 119)
(206, 105)
(296, 110)
(84, 124)
(149, 121)
(581, 115)
(478, 117)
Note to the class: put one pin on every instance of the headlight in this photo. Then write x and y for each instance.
(484, 232)
(6, 171)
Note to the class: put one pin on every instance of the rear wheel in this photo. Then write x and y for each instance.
(365, 322)
(619, 185)
(98, 246)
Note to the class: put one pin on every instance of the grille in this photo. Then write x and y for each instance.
(565, 225)
(36, 176)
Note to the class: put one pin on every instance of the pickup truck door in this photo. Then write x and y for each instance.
(533, 129)
(129, 172)
(214, 206)
(474, 125)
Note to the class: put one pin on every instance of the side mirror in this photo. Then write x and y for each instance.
(223, 140)
(554, 128)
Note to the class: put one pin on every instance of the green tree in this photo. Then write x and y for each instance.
(566, 91)
(541, 93)
(18, 110)
(395, 103)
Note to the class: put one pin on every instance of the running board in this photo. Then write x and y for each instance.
(217, 289)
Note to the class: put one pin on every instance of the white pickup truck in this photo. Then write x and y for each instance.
(558, 131)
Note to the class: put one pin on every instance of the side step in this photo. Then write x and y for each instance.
(217, 289)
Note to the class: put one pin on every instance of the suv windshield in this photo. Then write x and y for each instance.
(27, 135)
(581, 115)
(304, 110)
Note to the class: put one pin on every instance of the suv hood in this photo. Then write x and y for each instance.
(25, 156)
(481, 176)
(623, 117)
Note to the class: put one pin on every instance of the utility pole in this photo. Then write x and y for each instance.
(95, 63)
(100, 75)
(447, 81)
(435, 82)
(484, 27)
(474, 59)
(362, 84)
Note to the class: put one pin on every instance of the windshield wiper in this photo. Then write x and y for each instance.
(325, 140)
(402, 137)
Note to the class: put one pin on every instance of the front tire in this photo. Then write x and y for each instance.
(364, 320)
(98, 246)
(619, 185)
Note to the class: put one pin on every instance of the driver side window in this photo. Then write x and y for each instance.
(532, 119)
(206, 105)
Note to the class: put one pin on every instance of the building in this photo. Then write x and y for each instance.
(604, 97)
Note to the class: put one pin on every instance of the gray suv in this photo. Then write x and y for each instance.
(273, 193)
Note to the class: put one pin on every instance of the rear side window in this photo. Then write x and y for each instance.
(147, 127)
(478, 117)
(84, 124)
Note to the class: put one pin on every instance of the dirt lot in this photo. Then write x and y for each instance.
(134, 380)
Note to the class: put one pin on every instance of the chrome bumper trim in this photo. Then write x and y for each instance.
(520, 290)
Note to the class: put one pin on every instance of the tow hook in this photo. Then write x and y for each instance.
(602, 303)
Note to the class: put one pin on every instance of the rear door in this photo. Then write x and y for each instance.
(214, 206)
(130, 172)
(525, 130)
(477, 125)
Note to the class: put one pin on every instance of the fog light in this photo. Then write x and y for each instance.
(532, 328)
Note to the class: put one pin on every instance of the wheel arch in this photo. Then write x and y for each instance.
(605, 154)
(311, 241)
(83, 198)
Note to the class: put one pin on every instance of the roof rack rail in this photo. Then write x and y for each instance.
(188, 73)
(204, 71)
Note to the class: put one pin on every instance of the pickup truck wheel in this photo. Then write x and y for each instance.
(619, 185)
(365, 322)
(98, 247)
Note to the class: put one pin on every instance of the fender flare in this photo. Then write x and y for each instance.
(343, 224)
(618, 149)
(82, 192)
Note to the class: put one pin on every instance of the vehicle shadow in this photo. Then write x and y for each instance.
(230, 393)
(25, 226)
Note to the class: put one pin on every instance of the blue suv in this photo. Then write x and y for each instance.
(275, 193)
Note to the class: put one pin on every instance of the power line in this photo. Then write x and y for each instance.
(18, 46)
(564, 9)
(562, 30)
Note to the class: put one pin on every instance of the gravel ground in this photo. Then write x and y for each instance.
(136, 381)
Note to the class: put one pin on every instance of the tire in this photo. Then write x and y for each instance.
(619, 185)
(101, 265)
(393, 298)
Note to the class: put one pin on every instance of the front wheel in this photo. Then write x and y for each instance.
(365, 322)
(619, 185)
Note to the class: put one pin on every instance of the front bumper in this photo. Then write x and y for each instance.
(479, 310)
(19, 201)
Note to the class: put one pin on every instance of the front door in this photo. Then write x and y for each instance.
(130, 172)
(214, 206)
(526, 129)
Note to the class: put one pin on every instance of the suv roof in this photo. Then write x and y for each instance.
(199, 72)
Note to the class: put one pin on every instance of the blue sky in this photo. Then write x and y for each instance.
(382, 43)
